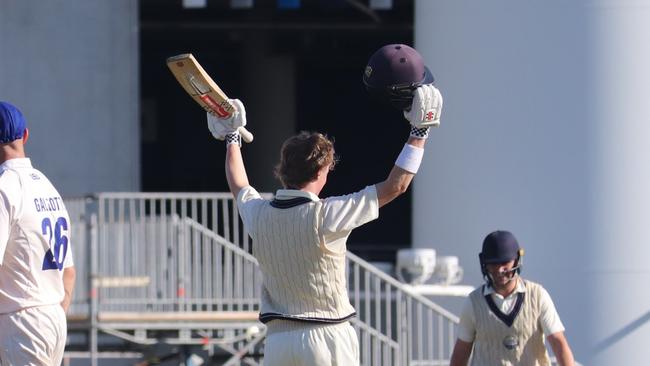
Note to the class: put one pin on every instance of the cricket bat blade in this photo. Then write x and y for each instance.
(200, 86)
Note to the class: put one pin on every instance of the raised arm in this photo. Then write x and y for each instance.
(235, 169)
(228, 129)
(424, 113)
(398, 179)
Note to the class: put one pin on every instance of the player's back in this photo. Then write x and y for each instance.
(34, 238)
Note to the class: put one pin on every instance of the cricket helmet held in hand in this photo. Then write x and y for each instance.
(393, 72)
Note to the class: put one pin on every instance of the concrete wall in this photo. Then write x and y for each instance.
(71, 66)
(544, 133)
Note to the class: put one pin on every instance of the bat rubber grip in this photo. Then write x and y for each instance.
(245, 134)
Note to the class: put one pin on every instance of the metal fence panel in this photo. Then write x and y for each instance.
(189, 253)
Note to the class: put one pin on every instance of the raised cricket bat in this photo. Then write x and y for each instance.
(200, 86)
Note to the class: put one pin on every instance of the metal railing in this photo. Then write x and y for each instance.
(150, 263)
(183, 268)
(80, 242)
(191, 245)
(188, 253)
(396, 326)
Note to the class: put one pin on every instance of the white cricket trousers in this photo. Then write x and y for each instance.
(34, 336)
(293, 343)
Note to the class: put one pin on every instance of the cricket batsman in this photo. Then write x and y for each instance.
(299, 238)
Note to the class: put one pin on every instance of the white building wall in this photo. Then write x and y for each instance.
(545, 133)
(72, 66)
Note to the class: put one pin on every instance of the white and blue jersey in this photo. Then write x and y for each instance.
(35, 243)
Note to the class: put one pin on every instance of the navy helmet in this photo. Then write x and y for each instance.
(393, 72)
(500, 247)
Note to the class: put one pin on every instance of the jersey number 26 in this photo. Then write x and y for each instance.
(58, 242)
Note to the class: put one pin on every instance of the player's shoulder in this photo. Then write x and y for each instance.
(535, 288)
(19, 170)
(33, 172)
(249, 200)
(10, 186)
(366, 195)
(22, 176)
(248, 193)
(477, 292)
(532, 284)
(8, 177)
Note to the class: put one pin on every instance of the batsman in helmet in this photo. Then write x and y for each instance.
(504, 321)
(300, 239)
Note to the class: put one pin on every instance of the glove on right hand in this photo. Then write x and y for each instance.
(425, 108)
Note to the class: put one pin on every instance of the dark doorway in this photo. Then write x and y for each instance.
(328, 43)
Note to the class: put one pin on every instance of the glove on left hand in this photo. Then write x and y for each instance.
(425, 108)
(220, 127)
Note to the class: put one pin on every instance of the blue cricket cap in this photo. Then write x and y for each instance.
(12, 123)
(500, 247)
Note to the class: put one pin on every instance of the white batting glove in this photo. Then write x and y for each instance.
(425, 108)
(220, 127)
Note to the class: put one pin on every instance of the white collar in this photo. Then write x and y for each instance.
(16, 163)
(285, 194)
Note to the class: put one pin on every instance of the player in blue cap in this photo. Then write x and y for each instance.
(36, 269)
(504, 321)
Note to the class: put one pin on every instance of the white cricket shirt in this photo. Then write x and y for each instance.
(300, 243)
(340, 214)
(34, 238)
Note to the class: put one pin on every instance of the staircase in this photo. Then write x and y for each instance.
(176, 268)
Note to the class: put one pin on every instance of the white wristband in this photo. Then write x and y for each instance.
(410, 158)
